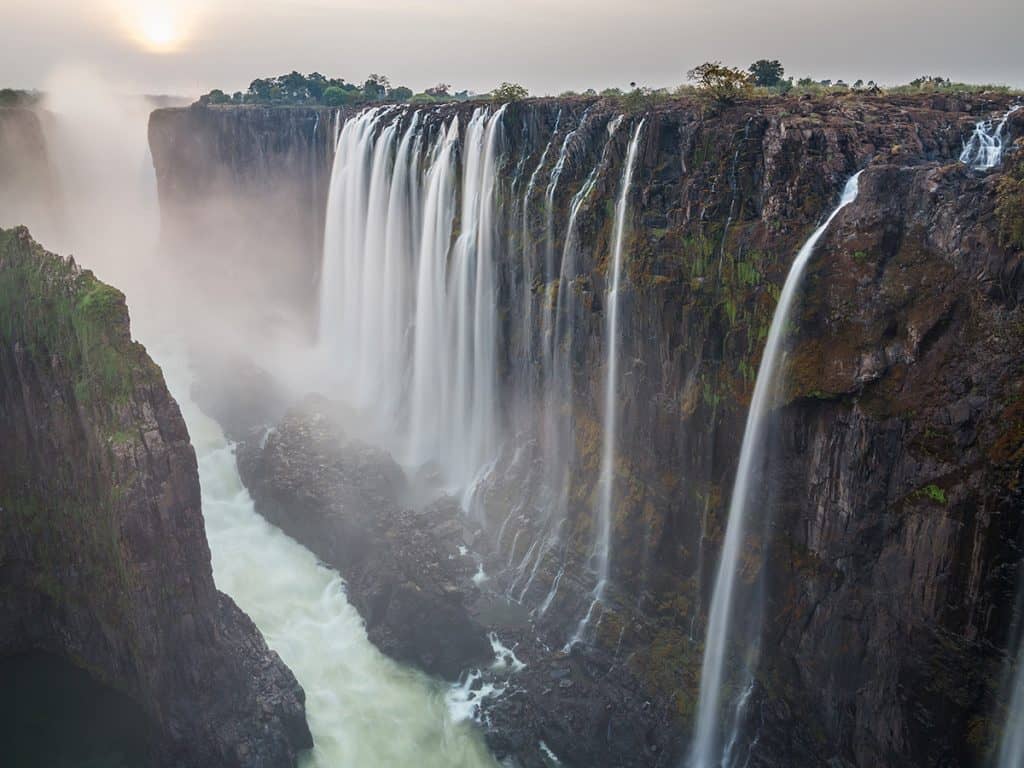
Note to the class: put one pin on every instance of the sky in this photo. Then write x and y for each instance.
(187, 47)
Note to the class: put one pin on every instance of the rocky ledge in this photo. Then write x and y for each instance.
(406, 571)
(103, 555)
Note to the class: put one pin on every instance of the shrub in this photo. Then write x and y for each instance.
(724, 84)
(509, 92)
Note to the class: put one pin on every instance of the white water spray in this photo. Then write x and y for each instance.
(603, 513)
(985, 148)
(706, 737)
(407, 319)
(1011, 748)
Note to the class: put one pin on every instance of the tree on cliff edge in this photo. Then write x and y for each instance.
(724, 84)
(766, 73)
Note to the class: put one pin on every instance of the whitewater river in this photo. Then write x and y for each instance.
(363, 709)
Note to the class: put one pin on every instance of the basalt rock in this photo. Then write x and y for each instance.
(103, 556)
(406, 571)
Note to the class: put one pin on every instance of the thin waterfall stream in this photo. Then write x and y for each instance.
(707, 734)
(606, 478)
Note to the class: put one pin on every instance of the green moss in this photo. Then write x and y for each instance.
(932, 492)
(62, 315)
(1010, 207)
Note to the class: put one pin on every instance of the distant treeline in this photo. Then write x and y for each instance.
(317, 89)
(765, 77)
(11, 97)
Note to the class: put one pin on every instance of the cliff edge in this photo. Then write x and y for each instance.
(103, 556)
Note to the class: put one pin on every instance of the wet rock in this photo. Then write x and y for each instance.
(345, 500)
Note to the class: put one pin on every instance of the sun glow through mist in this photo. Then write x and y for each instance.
(156, 27)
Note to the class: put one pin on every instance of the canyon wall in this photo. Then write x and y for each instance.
(242, 193)
(103, 554)
(881, 571)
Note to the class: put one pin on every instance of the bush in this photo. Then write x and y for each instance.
(724, 84)
(507, 92)
(335, 96)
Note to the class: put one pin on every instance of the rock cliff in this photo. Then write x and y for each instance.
(103, 555)
(882, 568)
(242, 193)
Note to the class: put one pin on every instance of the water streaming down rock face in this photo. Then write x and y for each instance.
(558, 395)
(606, 478)
(395, 289)
(707, 734)
(1011, 748)
(985, 148)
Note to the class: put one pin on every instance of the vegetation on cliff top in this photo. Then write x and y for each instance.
(315, 89)
(56, 311)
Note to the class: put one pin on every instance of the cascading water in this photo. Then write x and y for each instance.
(407, 319)
(558, 394)
(1011, 748)
(603, 513)
(707, 734)
(985, 148)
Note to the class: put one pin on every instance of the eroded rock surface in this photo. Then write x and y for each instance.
(406, 570)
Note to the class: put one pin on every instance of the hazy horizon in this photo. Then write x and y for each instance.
(187, 47)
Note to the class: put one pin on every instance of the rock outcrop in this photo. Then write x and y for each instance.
(406, 571)
(103, 555)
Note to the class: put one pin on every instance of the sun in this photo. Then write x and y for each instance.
(156, 26)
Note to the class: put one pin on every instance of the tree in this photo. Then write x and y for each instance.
(216, 96)
(259, 89)
(401, 93)
(723, 83)
(336, 96)
(439, 90)
(509, 92)
(766, 73)
(375, 87)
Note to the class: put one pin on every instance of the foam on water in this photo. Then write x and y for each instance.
(363, 709)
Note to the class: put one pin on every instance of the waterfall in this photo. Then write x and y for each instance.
(408, 320)
(1011, 747)
(558, 392)
(603, 513)
(985, 148)
(706, 736)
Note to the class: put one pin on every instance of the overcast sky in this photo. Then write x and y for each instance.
(189, 46)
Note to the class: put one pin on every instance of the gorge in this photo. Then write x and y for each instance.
(621, 426)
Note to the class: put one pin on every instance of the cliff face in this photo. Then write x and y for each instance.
(241, 199)
(28, 182)
(881, 569)
(103, 556)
